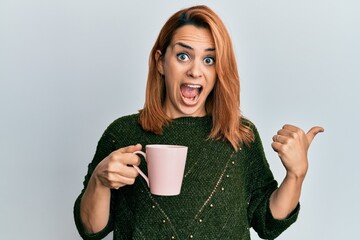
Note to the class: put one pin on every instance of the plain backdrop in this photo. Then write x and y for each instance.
(69, 68)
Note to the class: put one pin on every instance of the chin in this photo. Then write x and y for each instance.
(192, 112)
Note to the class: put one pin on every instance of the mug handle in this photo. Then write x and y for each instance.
(138, 169)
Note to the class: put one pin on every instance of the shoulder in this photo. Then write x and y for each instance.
(250, 125)
(133, 118)
(125, 130)
(246, 122)
(124, 123)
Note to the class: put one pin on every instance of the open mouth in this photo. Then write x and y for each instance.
(190, 92)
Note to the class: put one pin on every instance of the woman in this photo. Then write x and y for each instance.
(192, 99)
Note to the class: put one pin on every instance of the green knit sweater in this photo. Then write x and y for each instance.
(224, 192)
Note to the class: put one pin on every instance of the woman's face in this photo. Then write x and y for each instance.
(189, 70)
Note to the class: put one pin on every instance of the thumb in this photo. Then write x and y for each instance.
(130, 149)
(310, 135)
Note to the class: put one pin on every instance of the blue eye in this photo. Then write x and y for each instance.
(183, 57)
(209, 61)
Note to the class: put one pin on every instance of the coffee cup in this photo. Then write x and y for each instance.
(166, 165)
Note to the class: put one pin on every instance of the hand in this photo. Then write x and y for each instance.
(292, 144)
(116, 170)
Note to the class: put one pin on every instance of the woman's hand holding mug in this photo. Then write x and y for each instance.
(116, 170)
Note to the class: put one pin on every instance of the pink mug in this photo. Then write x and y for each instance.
(166, 165)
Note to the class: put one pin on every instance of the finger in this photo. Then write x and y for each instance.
(291, 131)
(125, 155)
(130, 159)
(118, 167)
(130, 149)
(276, 146)
(118, 160)
(128, 171)
(112, 180)
(279, 138)
(123, 174)
(128, 181)
(286, 131)
(290, 127)
(310, 135)
(122, 180)
(284, 134)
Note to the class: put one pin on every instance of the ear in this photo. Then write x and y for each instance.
(159, 62)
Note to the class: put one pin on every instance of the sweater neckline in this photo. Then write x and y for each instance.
(192, 120)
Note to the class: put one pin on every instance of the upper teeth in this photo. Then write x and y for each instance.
(193, 86)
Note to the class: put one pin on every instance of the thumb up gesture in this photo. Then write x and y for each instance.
(292, 144)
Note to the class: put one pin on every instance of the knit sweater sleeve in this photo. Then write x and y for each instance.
(262, 185)
(104, 148)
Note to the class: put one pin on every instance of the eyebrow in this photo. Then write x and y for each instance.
(189, 47)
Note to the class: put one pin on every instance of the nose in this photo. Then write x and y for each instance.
(195, 70)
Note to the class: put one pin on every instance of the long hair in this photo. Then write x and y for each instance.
(223, 103)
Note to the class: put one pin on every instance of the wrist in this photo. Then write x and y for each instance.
(296, 177)
(95, 184)
(298, 173)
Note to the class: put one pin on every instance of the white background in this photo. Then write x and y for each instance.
(69, 68)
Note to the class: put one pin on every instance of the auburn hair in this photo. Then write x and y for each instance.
(223, 103)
